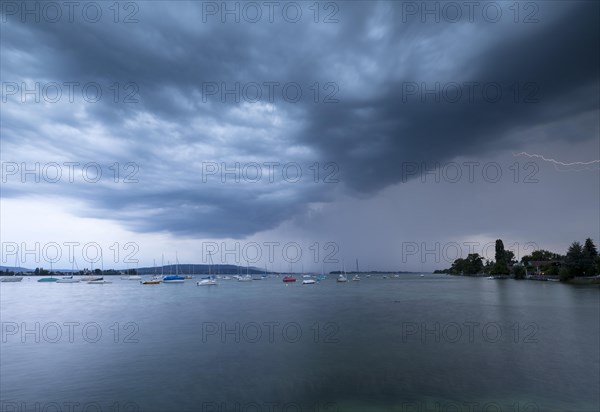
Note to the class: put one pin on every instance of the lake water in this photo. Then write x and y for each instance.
(438, 343)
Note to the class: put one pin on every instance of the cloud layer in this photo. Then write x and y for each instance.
(380, 90)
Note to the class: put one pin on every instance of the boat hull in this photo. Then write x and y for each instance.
(11, 279)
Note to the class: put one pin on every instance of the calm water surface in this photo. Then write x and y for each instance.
(437, 343)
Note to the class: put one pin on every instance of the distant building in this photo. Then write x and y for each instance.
(535, 265)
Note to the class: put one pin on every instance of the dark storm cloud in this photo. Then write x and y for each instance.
(556, 59)
(372, 55)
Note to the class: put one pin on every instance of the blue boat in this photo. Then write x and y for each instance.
(50, 279)
(173, 279)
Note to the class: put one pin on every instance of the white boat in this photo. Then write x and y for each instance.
(132, 277)
(68, 279)
(309, 282)
(356, 277)
(99, 282)
(342, 276)
(422, 276)
(210, 281)
(11, 278)
(151, 282)
(247, 277)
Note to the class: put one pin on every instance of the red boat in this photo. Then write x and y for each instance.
(289, 279)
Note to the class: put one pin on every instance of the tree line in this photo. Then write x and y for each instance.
(45, 272)
(579, 260)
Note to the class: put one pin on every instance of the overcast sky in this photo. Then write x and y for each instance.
(401, 134)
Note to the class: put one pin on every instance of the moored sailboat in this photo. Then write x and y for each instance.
(11, 278)
(210, 280)
(98, 281)
(342, 276)
(68, 279)
(152, 281)
(174, 278)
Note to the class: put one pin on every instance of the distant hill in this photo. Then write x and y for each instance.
(14, 269)
(197, 269)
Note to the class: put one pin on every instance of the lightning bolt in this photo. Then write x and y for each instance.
(564, 166)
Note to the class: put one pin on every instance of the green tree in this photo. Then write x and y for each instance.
(500, 252)
(590, 254)
(575, 251)
(499, 268)
(551, 270)
(575, 260)
(487, 268)
(565, 274)
(589, 249)
(509, 257)
(458, 266)
(519, 272)
(472, 265)
(504, 259)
